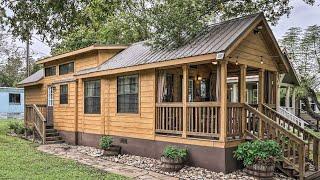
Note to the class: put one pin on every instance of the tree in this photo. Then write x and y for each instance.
(304, 51)
(78, 23)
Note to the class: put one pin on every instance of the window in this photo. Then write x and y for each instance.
(66, 68)
(50, 71)
(14, 99)
(92, 97)
(127, 97)
(64, 94)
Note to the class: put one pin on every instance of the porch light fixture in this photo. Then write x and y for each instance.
(261, 60)
(237, 63)
(214, 62)
(199, 78)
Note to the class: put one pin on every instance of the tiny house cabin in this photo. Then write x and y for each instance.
(12, 103)
(147, 99)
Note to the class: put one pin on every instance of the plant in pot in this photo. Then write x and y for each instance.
(108, 147)
(173, 158)
(259, 157)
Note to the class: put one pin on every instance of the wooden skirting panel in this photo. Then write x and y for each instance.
(212, 158)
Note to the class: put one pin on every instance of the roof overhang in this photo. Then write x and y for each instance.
(176, 62)
(81, 51)
(37, 83)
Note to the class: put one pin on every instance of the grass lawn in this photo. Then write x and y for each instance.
(20, 160)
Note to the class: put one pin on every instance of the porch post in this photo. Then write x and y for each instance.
(288, 98)
(185, 88)
(277, 85)
(261, 98)
(242, 100)
(293, 101)
(223, 101)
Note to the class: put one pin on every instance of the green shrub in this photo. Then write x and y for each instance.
(173, 152)
(16, 127)
(262, 152)
(105, 142)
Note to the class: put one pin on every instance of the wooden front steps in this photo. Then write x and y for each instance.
(52, 136)
(300, 148)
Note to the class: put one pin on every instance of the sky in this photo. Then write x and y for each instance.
(302, 15)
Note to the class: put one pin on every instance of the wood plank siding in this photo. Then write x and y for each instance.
(244, 50)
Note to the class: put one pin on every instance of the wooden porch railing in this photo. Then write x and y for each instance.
(234, 126)
(169, 118)
(38, 122)
(203, 119)
(295, 144)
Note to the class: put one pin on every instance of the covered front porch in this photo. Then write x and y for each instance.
(206, 100)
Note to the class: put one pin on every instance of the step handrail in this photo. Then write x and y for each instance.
(39, 123)
(289, 122)
(289, 115)
(266, 128)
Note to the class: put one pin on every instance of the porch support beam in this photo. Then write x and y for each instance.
(223, 101)
(242, 92)
(185, 88)
(278, 87)
(288, 97)
(261, 98)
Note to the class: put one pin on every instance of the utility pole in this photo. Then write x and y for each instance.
(27, 58)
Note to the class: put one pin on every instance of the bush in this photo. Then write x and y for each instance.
(258, 152)
(175, 152)
(105, 142)
(16, 127)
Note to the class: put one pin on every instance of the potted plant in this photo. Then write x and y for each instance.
(173, 158)
(259, 157)
(109, 149)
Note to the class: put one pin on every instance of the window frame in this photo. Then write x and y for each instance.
(45, 72)
(14, 103)
(69, 72)
(84, 97)
(65, 94)
(138, 95)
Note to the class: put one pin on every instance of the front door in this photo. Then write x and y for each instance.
(51, 90)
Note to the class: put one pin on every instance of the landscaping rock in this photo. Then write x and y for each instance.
(149, 165)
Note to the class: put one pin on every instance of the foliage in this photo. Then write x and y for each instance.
(173, 152)
(19, 159)
(16, 127)
(72, 24)
(105, 142)
(303, 47)
(263, 152)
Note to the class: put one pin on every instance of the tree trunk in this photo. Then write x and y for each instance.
(309, 110)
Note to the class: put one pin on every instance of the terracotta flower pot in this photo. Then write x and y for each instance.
(171, 165)
(112, 151)
(261, 171)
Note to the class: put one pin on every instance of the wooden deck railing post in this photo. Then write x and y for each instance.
(261, 99)
(223, 100)
(302, 162)
(242, 85)
(185, 88)
(316, 153)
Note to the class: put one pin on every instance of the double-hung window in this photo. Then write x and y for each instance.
(64, 94)
(92, 97)
(127, 95)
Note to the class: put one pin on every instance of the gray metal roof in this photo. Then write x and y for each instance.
(37, 76)
(215, 38)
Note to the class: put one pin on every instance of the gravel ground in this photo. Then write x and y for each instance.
(194, 173)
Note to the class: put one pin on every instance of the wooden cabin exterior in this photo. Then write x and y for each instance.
(147, 99)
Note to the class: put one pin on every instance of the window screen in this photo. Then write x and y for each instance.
(127, 96)
(64, 94)
(92, 97)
